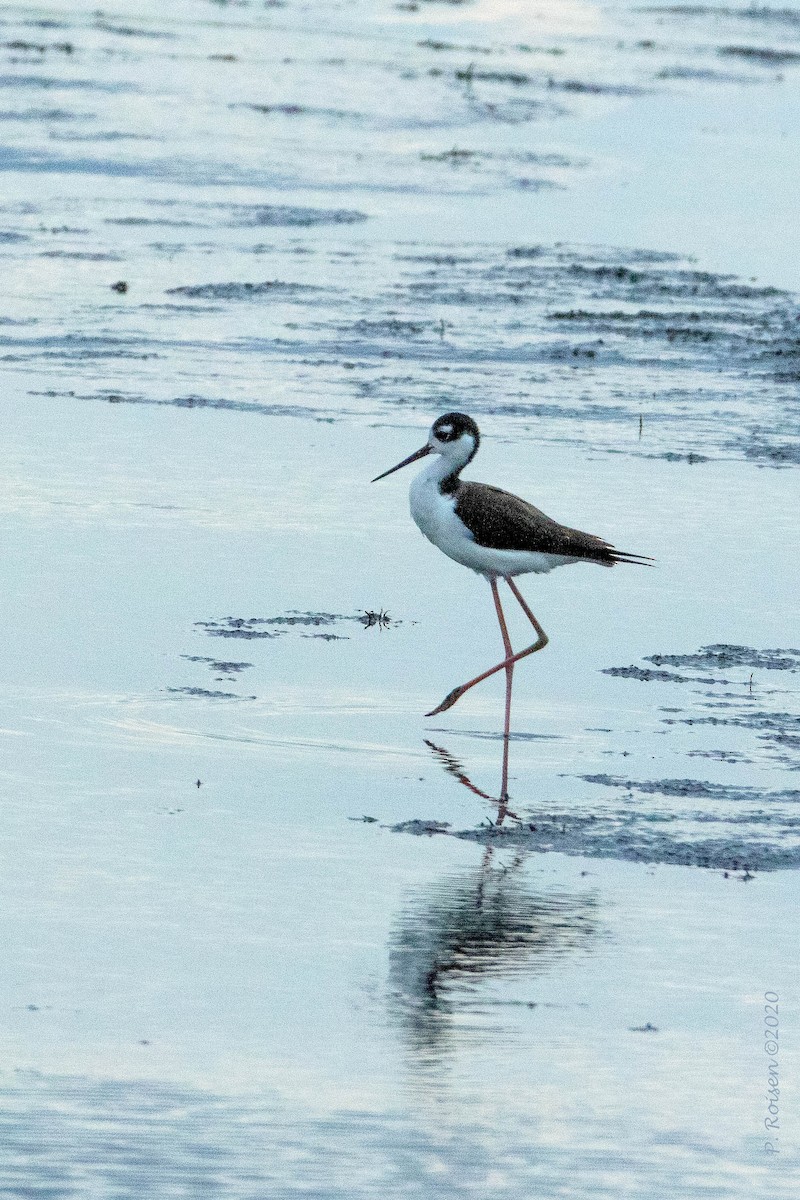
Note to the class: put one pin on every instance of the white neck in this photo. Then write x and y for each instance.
(438, 469)
(450, 458)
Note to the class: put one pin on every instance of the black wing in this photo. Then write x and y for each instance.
(501, 521)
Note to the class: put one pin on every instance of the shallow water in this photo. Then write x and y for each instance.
(262, 932)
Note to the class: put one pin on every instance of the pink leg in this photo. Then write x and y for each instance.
(542, 635)
(452, 697)
(509, 680)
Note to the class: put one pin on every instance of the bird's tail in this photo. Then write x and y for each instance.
(639, 560)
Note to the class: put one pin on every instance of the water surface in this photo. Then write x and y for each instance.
(262, 933)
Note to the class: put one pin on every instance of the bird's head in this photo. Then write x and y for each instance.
(454, 435)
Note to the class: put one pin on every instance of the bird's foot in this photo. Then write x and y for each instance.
(450, 699)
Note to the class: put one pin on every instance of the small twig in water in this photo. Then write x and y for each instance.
(380, 618)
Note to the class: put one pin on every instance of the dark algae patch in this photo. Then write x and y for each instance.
(272, 627)
(589, 344)
(621, 839)
(220, 403)
(721, 656)
(716, 658)
(291, 216)
(764, 55)
(747, 691)
(646, 674)
(241, 291)
(224, 670)
(695, 788)
(206, 694)
(237, 627)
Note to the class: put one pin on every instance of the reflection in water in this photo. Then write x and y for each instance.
(471, 928)
(474, 927)
(507, 665)
(453, 767)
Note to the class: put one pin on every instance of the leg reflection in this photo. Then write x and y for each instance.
(451, 764)
(456, 769)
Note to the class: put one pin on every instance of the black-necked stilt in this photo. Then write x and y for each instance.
(493, 532)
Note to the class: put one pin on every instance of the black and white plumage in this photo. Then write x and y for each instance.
(494, 533)
(485, 528)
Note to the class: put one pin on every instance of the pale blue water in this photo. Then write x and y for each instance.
(370, 214)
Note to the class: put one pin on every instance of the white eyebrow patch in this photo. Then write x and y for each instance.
(445, 429)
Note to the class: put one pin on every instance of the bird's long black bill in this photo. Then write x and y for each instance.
(411, 458)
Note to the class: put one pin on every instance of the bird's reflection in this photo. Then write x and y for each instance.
(478, 926)
(470, 928)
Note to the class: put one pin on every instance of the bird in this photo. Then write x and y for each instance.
(493, 532)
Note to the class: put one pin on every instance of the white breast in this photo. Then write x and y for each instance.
(435, 515)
